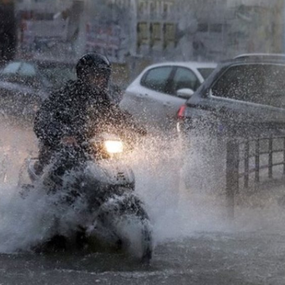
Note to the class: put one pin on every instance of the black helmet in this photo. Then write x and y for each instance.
(93, 63)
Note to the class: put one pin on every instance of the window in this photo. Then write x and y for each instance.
(155, 29)
(203, 27)
(27, 70)
(205, 71)
(57, 75)
(257, 83)
(157, 79)
(167, 9)
(142, 7)
(169, 33)
(142, 29)
(185, 78)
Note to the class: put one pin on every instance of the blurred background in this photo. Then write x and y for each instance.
(135, 33)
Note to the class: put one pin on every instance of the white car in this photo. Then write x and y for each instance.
(156, 95)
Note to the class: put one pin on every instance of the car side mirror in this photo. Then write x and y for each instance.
(185, 93)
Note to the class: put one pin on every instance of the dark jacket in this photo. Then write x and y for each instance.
(80, 111)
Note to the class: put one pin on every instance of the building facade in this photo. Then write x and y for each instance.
(138, 32)
(255, 26)
(49, 29)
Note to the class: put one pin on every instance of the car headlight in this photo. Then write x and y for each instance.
(114, 146)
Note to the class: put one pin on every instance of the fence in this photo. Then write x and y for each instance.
(251, 162)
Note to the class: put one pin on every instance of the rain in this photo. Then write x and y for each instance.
(191, 188)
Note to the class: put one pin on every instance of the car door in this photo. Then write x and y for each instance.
(183, 77)
(245, 96)
(152, 95)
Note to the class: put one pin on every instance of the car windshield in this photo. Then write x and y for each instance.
(11, 68)
(205, 71)
(257, 83)
(58, 75)
(21, 73)
(27, 69)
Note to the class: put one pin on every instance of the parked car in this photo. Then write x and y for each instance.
(22, 88)
(243, 96)
(57, 72)
(25, 84)
(155, 96)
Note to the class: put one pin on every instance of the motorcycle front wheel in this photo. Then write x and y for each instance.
(127, 219)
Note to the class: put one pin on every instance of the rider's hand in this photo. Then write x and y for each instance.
(69, 140)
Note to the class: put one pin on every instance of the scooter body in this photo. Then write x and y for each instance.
(113, 212)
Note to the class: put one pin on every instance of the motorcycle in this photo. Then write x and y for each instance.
(97, 177)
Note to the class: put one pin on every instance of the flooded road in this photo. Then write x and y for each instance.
(212, 258)
(195, 243)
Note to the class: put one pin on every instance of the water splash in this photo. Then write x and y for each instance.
(176, 211)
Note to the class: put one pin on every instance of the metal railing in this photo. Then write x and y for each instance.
(253, 160)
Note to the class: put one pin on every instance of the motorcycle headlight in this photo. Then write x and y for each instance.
(113, 147)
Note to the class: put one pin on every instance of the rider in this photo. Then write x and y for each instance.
(75, 113)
